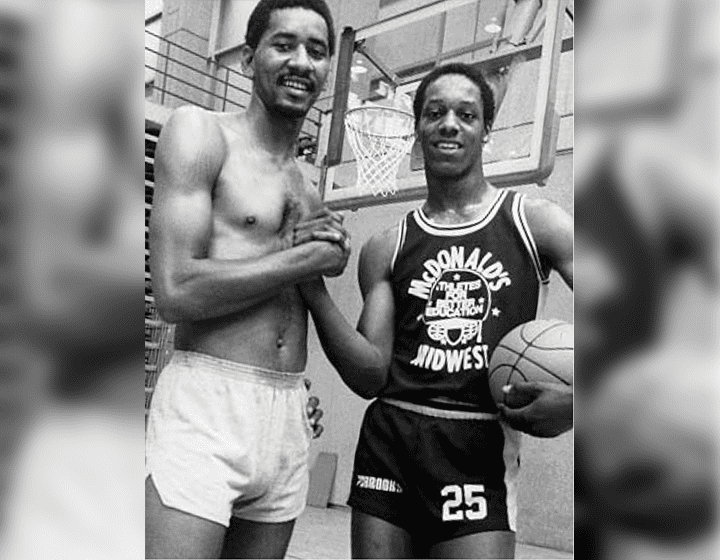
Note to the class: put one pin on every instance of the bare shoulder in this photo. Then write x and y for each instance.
(377, 252)
(192, 126)
(543, 215)
(540, 207)
(551, 227)
(376, 258)
(311, 191)
(190, 144)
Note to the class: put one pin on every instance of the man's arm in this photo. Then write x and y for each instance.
(552, 229)
(361, 356)
(188, 284)
(539, 409)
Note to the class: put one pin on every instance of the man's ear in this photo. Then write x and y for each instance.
(247, 57)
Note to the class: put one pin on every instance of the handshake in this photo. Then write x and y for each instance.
(324, 230)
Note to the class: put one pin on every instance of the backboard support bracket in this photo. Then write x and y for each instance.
(367, 53)
(342, 91)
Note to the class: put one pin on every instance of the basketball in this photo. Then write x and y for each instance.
(539, 350)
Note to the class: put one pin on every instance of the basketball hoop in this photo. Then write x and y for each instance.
(380, 137)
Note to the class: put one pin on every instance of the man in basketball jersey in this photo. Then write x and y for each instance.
(435, 469)
(227, 436)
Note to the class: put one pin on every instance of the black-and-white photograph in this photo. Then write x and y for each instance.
(359, 269)
(422, 279)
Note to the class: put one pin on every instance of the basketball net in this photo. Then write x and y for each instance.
(380, 137)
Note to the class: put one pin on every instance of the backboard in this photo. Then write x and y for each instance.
(383, 63)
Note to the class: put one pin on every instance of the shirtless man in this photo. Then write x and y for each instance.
(228, 435)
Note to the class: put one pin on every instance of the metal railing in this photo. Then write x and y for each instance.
(181, 75)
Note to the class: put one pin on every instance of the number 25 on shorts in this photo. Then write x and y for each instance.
(477, 505)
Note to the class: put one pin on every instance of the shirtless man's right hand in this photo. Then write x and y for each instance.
(325, 226)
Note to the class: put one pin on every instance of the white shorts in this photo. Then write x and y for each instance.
(226, 439)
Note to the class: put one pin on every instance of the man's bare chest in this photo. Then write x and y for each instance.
(256, 196)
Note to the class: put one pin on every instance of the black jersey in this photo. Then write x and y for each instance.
(458, 290)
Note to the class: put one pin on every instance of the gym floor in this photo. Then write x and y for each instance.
(325, 533)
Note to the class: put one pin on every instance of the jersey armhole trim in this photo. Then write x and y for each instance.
(402, 230)
(518, 213)
(542, 299)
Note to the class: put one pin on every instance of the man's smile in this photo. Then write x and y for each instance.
(297, 85)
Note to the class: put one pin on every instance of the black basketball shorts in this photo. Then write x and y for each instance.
(438, 474)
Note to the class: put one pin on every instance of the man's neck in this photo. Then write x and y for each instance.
(274, 132)
(460, 195)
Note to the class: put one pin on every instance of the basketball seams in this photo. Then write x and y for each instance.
(521, 355)
(513, 369)
(538, 335)
(509, 377)
(523, 350)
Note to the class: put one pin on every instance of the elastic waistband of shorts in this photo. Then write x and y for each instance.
(236, 370)
(440, 412)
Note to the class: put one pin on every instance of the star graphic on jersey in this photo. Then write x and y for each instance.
(495, 311)
(456, 277)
